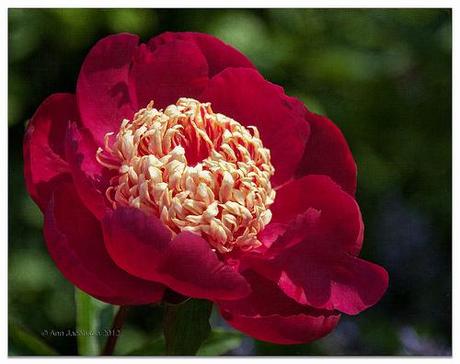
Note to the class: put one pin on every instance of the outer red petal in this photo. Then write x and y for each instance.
(327, 153)
(345, 283)
(74, 240)
(268, 314)
(173, 70)
(44, 161)
(340, 215)
(103, 94)
(141, 245)
(219, 55)
(313, 261)
(91, 179)
(244, 95)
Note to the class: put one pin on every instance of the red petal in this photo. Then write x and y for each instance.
(91, 179)
(245, 96)
(345, 283)
(340, 214)
(44, 162)
(219, 55)
(141, 245)
(74, 240)
(327, 153)
(312, 261)
(271, 233)
(104, 97)
(268, 314)
(173, 70)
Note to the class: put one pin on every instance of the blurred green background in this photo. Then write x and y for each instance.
(383, 76)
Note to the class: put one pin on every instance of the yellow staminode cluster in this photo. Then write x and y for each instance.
(196, 170)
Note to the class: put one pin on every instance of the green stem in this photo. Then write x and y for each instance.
(86, 311)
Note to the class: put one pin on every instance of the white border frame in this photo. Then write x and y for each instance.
(234, 4)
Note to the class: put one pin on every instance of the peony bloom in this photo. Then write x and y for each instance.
(176, 165)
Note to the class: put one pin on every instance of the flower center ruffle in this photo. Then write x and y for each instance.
(196, 170)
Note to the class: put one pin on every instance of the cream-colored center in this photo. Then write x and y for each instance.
(196, 170)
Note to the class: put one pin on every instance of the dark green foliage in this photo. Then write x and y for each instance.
(186, 326)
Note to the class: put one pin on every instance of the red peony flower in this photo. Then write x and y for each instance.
(177, 165)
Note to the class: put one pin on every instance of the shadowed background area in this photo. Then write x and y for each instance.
(383, 76)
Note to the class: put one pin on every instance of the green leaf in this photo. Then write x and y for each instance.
(27, 342)
(220, 342)
(186, 326)
(152, 348)
(92, 317)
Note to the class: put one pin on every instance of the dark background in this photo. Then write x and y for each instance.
(383, 76)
